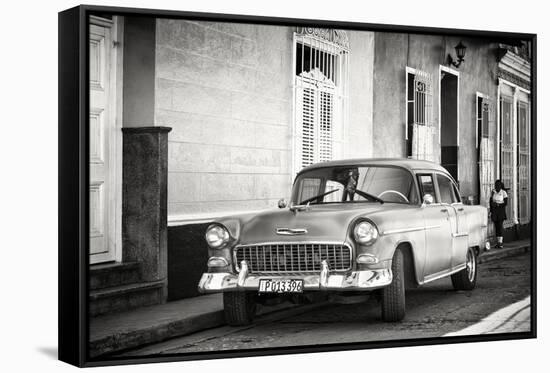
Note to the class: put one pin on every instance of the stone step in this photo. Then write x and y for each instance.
(109, 275)
(125, 297)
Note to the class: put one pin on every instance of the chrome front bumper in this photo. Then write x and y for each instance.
(356, 280)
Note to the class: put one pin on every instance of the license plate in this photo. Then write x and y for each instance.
(281, 286)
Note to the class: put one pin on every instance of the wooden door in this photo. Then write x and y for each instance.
(102, 142)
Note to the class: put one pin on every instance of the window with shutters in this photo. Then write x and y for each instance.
(419, 128)
(483, 104)
(320, 83)
(485, 135)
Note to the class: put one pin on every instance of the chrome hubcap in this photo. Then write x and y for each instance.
(471, 266)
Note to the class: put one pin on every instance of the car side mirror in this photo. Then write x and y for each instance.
(428, 199)
(282, 203)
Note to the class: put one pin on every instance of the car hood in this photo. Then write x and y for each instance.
(323, 223)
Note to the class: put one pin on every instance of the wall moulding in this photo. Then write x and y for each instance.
(338, 37)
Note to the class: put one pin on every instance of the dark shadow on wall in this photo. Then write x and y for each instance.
(187, 257)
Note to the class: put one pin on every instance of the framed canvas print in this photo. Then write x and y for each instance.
(236, 185)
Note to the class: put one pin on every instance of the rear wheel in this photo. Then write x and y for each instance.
(393, 295)
(239, 307)
(466, 279)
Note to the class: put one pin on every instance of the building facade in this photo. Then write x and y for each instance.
(234, 96)
(193, 120)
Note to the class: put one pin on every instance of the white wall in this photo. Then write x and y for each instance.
(225, 89)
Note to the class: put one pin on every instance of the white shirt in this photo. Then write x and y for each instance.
(498, 197)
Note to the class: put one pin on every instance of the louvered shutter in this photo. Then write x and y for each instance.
(326, 108)
(315, 113)
(306, 107)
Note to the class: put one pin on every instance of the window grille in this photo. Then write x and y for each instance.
(320, 86)
(419, 121)
(524, 195)
(507, 154)
(484, 118)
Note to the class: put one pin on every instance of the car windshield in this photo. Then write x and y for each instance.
(355, 184)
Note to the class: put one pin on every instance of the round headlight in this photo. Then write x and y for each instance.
(216, 236)
(365, 233)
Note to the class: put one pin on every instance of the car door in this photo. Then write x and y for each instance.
(457, 219)
(437, 228)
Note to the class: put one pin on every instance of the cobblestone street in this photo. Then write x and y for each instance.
(500, 303)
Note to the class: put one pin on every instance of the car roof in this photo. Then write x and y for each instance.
(410, 164)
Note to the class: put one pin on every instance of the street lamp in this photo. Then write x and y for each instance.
(460, 53)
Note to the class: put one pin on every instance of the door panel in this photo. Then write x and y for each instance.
(438, 240)
(101, 145)
(450, 198)
(460, 234)
(437, 228)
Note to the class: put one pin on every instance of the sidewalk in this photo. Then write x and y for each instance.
(121, 331)
(146, 325)
(509, 249)
(153, 324)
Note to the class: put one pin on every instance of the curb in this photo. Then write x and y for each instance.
(119, 342)
(495, 254)
(269, 315)
(136, 338)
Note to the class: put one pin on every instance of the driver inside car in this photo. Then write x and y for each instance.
(351, 185)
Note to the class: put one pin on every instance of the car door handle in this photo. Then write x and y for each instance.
(443, 210)
(461, 209)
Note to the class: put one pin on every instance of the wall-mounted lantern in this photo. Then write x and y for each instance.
(460, 53)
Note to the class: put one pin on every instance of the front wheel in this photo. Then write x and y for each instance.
(393, 295)
(239, 307)
(466, 279)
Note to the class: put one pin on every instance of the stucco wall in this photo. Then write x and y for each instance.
(226, 91)
(478, 73)
(395, 51)
(359, 131)
(388, 96)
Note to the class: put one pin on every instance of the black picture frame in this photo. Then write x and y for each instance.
(73, 181)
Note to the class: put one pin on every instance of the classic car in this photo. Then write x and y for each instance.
(355, 225)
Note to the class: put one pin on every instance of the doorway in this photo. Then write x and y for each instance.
(448, 117)
(105, 138)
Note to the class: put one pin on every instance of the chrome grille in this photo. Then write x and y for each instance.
(293, 257)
